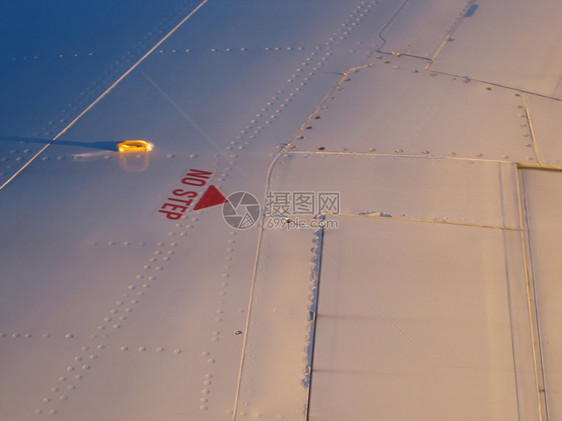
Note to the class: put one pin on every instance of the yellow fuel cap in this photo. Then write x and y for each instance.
(134, 146)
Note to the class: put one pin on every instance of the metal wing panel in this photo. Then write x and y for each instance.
(417, 319)
(120, 301)
(516, 46)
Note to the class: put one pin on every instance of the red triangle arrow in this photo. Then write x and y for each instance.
(211, 197)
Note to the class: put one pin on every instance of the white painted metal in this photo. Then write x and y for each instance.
(542, 206)
(111, 308)
(418, 319)
(506, 46)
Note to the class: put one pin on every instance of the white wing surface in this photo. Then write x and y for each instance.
(349, 212)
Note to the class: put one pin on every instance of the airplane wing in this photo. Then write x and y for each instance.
(325, 210)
